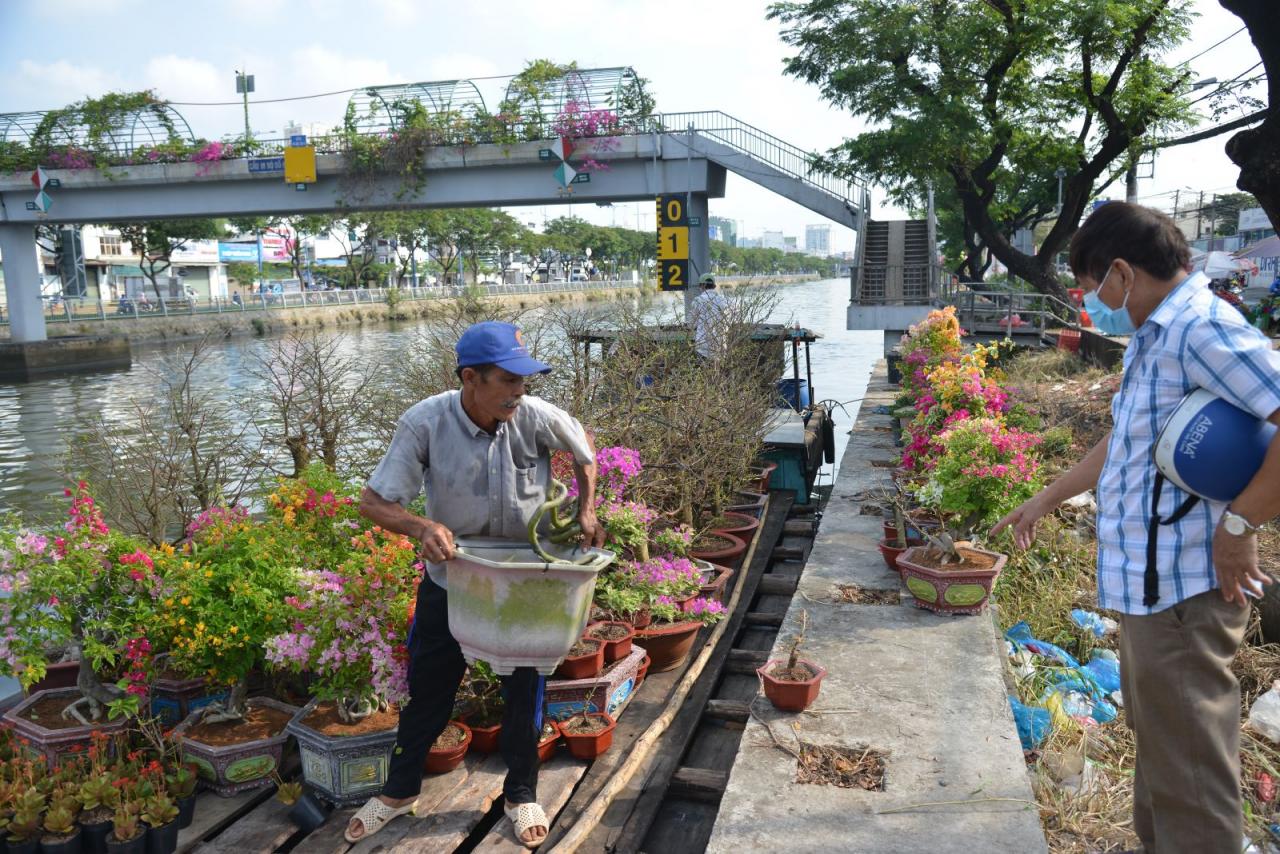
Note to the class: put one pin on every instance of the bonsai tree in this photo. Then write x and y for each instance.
(87, 588)
(347, 632)
(480, 699)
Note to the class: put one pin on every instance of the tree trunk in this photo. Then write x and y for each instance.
(1255, 150)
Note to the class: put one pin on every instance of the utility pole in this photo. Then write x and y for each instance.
(1199, 214)
(1131, 181)
(244, 85)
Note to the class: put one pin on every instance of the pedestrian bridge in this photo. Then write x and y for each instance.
(669, 153)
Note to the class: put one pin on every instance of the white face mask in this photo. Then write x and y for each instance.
(1112, 321)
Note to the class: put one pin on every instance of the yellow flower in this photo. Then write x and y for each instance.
(168, 603)
(208, 573)
(186, 600)
(182, 621)
(234, 629)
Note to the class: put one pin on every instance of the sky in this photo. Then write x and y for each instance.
(698, 54)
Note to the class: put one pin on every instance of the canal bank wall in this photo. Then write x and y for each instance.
(364, 308)
(927, 692)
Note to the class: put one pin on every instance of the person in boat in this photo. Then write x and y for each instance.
(483, 455)
(708, 310)
(1180, 572)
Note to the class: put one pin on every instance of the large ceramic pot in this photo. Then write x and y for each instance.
(51, 742)
(343, 769)
(668, 644)
(791, 695)
(61, 674)
(172, 700)
(960, 589)
(723, 549)
(741, 525)
(230, 768)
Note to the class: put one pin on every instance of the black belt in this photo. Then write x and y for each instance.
(1151, 578)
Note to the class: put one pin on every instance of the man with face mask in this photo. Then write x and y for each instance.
(1180, 577)
(483, 456)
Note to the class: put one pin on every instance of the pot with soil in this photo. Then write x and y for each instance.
(791, 688)
(344, 762)
(485, 733)
(549, 738)
(616, 636)
(588, 735)
(58, 674)
(668, 644)
(61, 834)
(235, 755)
(763, 473)
(741, 525)
(950, 584)
(722, 549)
(643, 670)
(750, 503)
(95, 828)
(891, 548)
(585, 659)
(449, 749)
(49, 735)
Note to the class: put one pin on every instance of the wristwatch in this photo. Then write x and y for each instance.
(1236, 525)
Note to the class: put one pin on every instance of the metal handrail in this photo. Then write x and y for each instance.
(760, 145)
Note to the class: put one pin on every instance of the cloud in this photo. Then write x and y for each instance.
(184, 78)
(47, 85)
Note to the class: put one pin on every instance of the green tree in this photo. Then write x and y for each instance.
(1224, 212)
(990, 98)
(1254, 150)
(155, 242)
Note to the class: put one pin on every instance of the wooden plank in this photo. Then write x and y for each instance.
(699, 784)
(214, 814)
(435, 789)
(453, 819)
(728, 710)
(788, 553)
(556, 782)
(800, 527)
(262, 830)
(636, 824)
(778, 585)
(751, 657)
(771, 619)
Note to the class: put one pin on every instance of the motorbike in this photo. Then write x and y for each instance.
(1230, 291)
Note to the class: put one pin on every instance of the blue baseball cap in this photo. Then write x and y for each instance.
(496, 343)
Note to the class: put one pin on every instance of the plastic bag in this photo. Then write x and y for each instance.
(1264, 714)
(1033, 723)
(1095, 623)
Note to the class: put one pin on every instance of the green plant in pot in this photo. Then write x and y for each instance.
(23, 831)
(128, 834)
(61, 833)
(792, 684)
(480, 706)
(83, 587)
(160, 814)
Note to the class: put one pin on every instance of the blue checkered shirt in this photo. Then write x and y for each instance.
(1192, 340)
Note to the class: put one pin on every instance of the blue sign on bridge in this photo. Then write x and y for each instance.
(266, 164)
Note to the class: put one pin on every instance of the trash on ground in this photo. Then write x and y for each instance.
(1091, 621)
(1264, 714)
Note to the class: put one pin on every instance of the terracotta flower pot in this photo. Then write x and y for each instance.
(791, 695)
(950, 590)
(891, 531)
(643, 670)
(749, 503)
(484, 739)
(891, 552)
(668, 644)
(739, 524)
(641, 619)
(547, 747)
(589, 745)
(763, 473)
(584, 665)
(615, 649)
(715, 582)
(724, 549)
(442, 760)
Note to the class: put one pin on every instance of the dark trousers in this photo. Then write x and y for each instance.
(436, 668)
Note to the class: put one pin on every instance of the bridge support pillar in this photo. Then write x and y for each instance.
(699, 247)
(22, 283)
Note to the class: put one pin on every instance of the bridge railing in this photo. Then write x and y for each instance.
(80, 310)
(978, 307)
(895, 284)
(765, 147)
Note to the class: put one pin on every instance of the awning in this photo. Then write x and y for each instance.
(1266, 248)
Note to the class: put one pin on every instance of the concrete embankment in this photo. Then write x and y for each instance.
(926, 691)
(253, 319)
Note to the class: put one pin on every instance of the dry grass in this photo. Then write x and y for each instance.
(844, 767)
(856, 594)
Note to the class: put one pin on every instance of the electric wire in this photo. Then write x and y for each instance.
(1210, 47)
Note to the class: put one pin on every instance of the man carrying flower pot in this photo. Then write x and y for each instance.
(483, 456)
(1179, 572)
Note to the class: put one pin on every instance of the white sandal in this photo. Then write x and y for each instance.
(525, 817)
(373, 816)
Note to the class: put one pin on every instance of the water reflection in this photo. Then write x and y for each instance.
(38, 418)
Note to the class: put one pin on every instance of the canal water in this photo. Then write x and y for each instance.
(38, 418)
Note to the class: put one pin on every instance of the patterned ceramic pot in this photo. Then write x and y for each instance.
(344, 770)
(230, 768)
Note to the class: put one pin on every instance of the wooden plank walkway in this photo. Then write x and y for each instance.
(461, 807)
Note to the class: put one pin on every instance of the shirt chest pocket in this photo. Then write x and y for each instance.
(531, 488)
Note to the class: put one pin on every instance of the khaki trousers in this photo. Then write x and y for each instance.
(1183, 704)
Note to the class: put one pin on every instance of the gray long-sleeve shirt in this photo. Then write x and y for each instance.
(477, 483)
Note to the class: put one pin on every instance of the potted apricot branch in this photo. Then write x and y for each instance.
(792, 684)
